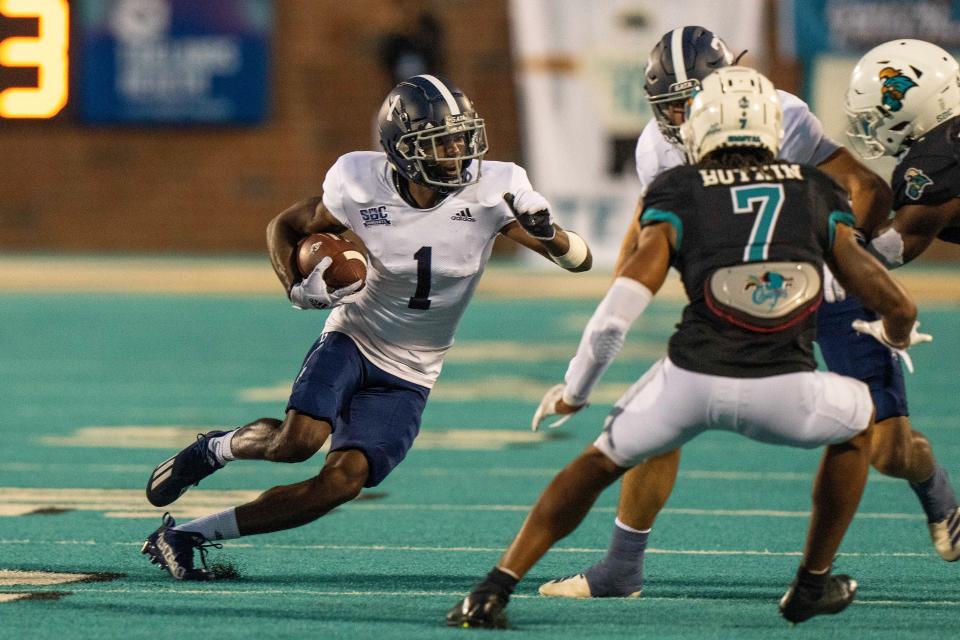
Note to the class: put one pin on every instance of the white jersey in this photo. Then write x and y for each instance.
(423, 264)
(803, 142)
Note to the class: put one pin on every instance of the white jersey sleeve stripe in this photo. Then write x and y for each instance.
(442, 88)
(676, 50)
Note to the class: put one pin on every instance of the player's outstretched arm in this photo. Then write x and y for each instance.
(535, 229)
(287, 229)
(864, 277)
(637, 280)
(910, 232)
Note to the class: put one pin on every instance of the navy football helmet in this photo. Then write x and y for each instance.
(677, 64)
(431, 133)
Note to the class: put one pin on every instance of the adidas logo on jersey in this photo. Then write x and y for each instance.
(463, 215)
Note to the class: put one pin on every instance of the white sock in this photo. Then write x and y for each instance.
(218, 526)
(627, 527)
(221, 447)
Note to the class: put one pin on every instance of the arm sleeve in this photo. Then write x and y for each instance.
(333, 193)
(803, 137)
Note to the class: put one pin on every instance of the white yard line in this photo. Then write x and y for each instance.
(442, 549)
(313, 593)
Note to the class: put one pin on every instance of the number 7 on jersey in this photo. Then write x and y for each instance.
(770, 199)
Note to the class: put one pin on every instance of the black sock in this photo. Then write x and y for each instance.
(499, 582)
(812, 584)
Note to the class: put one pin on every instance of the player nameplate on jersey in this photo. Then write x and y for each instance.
(764, 296)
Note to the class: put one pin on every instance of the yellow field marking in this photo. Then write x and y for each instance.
(9, 578)
(174, 437)
(10, 597)
(242, 276)
(497, 388)
(508, 351)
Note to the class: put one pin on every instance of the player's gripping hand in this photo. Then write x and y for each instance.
(312, 292)
(876, 330)
(532, 211)
(552, 404)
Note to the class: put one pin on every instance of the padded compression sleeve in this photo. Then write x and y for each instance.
(603, 337)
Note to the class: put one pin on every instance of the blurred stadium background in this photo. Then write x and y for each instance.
(146, 143)
(166, 126)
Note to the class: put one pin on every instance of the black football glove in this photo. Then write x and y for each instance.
(532, 211)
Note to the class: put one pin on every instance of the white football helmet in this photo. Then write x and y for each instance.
(899, 91)
(735, 107)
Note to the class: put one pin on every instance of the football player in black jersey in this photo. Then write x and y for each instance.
(750, 236)
(904, 101)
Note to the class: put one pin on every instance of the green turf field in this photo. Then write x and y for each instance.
(96, 389)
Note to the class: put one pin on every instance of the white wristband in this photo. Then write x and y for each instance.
(603, 337)
(576, 254)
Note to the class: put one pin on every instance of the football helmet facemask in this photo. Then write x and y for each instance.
(736, 107)
(675, 69)
(898, 91)
(431, 133)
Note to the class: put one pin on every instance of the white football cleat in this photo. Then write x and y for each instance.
(573, 587)
(946, 536)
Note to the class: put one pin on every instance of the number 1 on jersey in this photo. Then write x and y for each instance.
(770, 198)
(421, 297)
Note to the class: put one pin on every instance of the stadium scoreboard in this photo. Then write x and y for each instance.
(135, 61)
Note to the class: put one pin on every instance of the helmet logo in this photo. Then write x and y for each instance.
(895, 87)
(392, 107)
(916, 181)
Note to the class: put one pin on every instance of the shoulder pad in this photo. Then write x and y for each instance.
(929, 174)
(361, 173)
(497, 178)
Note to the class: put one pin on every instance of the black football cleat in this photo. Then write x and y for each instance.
(172, 477)
(798, 604)
(173, 551)
(479, 610)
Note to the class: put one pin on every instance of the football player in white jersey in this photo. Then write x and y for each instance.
(428, 209)
(677, 64)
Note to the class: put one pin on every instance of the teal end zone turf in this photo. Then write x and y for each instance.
(95, 390)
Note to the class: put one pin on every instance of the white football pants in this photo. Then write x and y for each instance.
(669, 406)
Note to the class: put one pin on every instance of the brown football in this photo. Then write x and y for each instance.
(349, 264)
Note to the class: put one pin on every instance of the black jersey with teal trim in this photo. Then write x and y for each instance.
(777, 212)
(929, 173)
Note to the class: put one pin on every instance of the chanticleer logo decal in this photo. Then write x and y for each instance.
(895, 87)
(916, 181)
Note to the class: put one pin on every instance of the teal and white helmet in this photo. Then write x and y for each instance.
(898, 91)
(735, 107)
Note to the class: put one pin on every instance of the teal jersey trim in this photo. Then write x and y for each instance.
(839, 217)
(659, 215)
